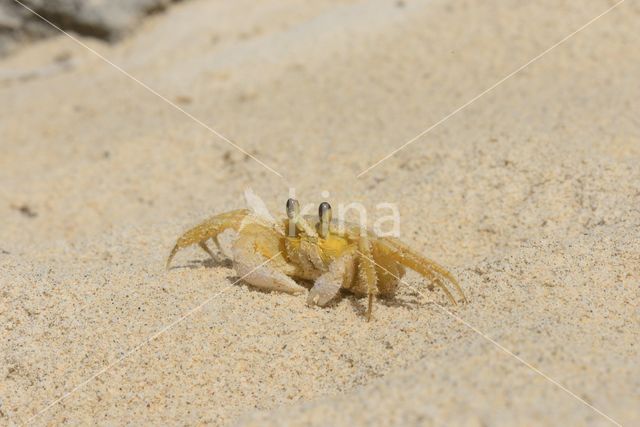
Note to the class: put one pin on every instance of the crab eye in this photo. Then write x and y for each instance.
(292, 208)
(324, 212)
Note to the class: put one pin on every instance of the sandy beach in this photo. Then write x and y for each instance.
(529, 194)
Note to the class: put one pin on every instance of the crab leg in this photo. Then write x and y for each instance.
(426, 267)
(367, 272)
(209, 229)
(205, 248)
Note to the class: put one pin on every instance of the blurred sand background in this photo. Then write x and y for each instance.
(530, 195)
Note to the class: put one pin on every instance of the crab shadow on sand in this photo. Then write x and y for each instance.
(204, 263)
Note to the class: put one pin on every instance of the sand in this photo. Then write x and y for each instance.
(530, 195)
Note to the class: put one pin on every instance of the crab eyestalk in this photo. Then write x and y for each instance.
(296, 221)
(293, 208)
(324, 212)
(293, 211)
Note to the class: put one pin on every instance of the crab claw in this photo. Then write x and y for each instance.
(327, 286)
(323, 291)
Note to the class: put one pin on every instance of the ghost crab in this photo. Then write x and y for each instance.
(334, 255)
